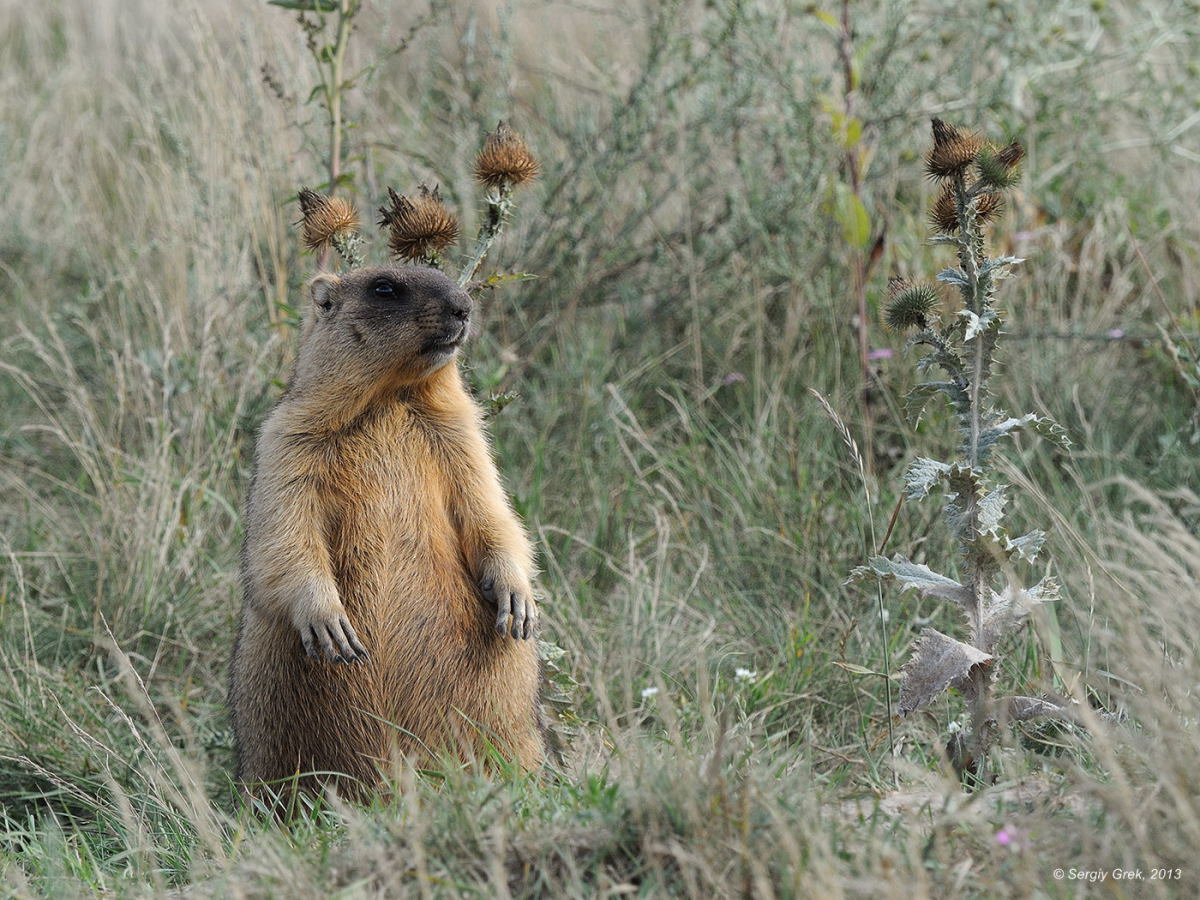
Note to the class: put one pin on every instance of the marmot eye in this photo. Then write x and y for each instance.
(384, 288)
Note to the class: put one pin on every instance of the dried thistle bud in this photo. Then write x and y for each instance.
(505, 159)
(419, 227)
(909, 305)
(325, 219)
(953, 150)
(943, 215)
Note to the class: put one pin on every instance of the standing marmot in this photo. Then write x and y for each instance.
(377, 532)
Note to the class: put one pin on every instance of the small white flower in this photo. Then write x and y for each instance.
(745, 674)
(885, 615)
(649, 692)
(954, 727)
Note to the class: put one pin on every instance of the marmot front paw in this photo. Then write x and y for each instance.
(329, 632)
(516, 611)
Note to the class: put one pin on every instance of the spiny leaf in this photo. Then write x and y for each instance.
(978, 324)
(938, 662)
(953, 276)
(1005, 613)
(912, 575)
(997, 546)
(1043, 425)
(918, 397)
(998, 262)
(943, 354)
(1027, 546)
(922, 474)
(991, 508)
(965, 486)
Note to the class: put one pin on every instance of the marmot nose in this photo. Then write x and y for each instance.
(459, 308)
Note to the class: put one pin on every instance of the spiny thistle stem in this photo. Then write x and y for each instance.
(499, 207)
(969, 252)
(349, 247)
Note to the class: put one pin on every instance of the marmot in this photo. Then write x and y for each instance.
(378, 534)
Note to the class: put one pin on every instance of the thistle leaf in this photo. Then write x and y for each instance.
(918, 397)
(977, 325)
(965, 486)
(943, 355)
(953, 276)
(1025, 547)
(991, 508)
(1043, 425)
(938, 662)
(996, 546)
(998, 262)
(1006, 613)
(1022, 709)
(922, 474)
(911, 575)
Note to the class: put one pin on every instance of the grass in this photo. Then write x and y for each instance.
(695, 510)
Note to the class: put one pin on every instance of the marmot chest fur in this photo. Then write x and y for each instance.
(387, 605)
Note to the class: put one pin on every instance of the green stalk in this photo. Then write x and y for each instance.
(499, 206)
(347, 9)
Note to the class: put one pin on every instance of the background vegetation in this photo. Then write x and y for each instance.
(709, 190)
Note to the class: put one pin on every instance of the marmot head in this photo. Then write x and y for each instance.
(397, 324)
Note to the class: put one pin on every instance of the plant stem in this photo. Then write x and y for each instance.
(333, 99)
(969, 250)
(499, 205)
(858, 263)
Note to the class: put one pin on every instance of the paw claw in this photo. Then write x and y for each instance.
(331, 639)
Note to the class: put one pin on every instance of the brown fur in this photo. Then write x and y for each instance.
(375, 503)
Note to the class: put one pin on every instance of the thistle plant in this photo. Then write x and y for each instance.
(330, 222)
(972, 177)
(503, 164)
(420, 228)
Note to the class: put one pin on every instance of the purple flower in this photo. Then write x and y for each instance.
(880, 353)
(1009, 837)
(1115, 334)
(733, 378)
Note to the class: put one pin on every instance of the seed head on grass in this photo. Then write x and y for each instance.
(419, 227)
(325, 219)
(505, 160)
(952, 152)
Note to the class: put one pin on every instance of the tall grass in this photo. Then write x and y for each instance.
(694, 512)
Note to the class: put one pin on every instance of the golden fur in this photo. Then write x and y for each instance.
(377, 532)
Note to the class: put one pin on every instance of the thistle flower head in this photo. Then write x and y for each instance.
(325, 219)
(943, 215)
(419, 227)
(505, 159)
(952, 151)
(1000, 168)
(909, 305)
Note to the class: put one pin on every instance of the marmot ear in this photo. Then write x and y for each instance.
(323, 290)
